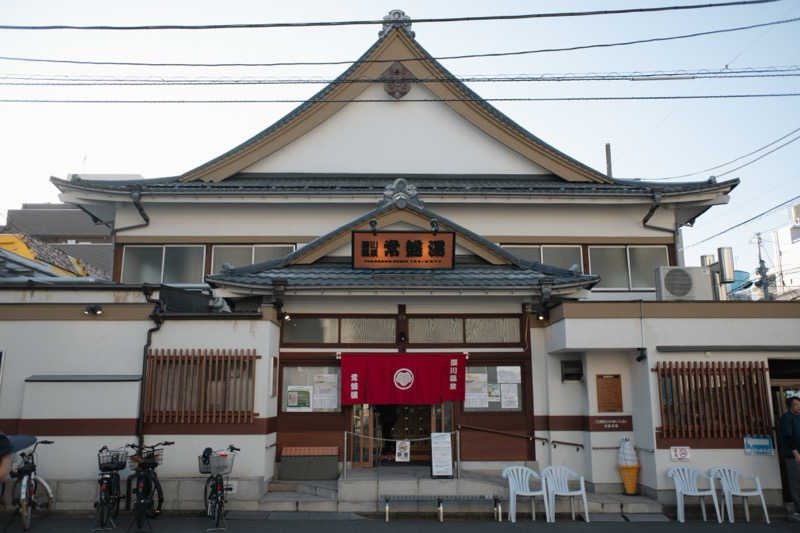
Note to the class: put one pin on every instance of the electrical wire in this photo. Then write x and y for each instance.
(730, 228)
(391, 21)
(382, 101)
(438, 58)
(727, 162)
(683, 75)
(762, 156)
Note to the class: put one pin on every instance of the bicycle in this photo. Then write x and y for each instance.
(218, 463)
(31, 491)
(148, 491)
(110, 462)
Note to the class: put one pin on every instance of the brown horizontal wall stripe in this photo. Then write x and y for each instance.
(707, 444)
(73, 311)
(558, 239)
(675, 310)
(77, 427)
(210, 239)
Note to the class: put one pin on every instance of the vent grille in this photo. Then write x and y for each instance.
(678, 282)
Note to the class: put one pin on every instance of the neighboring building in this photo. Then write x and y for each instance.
(47, 255)
(786, 258)
(66, 228)
(394, 267)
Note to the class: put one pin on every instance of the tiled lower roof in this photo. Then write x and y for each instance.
(342, 275)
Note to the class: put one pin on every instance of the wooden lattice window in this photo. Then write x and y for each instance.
(713, 400)
(200, 386)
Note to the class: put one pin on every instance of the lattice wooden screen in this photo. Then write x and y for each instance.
(713, 400)
(200, 386)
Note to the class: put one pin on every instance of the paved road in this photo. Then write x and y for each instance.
(343, 523)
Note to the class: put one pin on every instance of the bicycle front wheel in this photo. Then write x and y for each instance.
(209, 492)
(24, 491)
(103, 509)
(219, 509)
(156, 497)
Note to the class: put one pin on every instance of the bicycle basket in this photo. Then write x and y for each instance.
(217, 464)
(149, 458)
(110, 460)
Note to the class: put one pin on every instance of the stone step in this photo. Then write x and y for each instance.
(296, 501)
(282, 486)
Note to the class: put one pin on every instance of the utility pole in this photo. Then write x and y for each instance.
(762, 270)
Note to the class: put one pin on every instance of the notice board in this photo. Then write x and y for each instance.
(609, 393)
(441, 455)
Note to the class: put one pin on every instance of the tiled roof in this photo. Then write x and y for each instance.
(343, 276)
(373, 184)
(14, 266)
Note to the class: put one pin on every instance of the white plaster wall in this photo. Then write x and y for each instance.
(723, 331)
(65, 347)
(75, 458)
(765, 467)
(601, 363)
(81, 400)
(578, 334)
(44, 296)
(417, 137)
(507, 218)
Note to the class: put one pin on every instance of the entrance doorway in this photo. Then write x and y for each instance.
(782, 389)
(377, 428)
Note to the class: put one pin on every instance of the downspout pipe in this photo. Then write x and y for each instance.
(155, 316)
(136, 198)
(653, 208)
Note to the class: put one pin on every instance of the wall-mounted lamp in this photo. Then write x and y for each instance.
(93, 309)
(435, 225)
(374, 225)
(401, 337)
(542, 314)
(642, 354)
(286, 317)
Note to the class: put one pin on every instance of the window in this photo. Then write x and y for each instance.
(311, 330)
(200, 386)
(557, 255)
(311, 389)
(163, 264)
(493, 388)
(713, 400)
(483, 330)
(435, 330)
(243, 255)
(563, 256)
(368, 330)
(627, 267)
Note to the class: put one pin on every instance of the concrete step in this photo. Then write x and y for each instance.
(296, 501)
(282, 486)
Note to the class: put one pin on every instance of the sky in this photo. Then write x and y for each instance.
(649, 139)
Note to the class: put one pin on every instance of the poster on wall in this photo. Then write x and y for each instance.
(476, 392)
(298, 397)
(403, 451)
(326, 392)
(509, 399)
(509, 374)
(494, 392)
(441, 455)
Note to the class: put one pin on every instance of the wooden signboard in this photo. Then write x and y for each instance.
(403, 249)
(609, 393)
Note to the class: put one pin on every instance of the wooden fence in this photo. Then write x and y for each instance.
(200, 386)
(713, 400)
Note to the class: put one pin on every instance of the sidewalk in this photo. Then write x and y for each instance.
(349, 523)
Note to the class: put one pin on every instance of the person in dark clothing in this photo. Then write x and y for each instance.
(790, 450)
(8, 447)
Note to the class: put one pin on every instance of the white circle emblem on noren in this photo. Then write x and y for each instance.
(403, 379)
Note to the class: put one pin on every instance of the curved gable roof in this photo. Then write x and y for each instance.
(396, 45)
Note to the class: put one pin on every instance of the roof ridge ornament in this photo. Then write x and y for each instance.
(401, 194)
(396, 18)
(397, 80)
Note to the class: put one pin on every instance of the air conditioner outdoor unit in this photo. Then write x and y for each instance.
(684, 283)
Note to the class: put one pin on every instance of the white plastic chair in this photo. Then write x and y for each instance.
(557, 481)
(729, 479)
(685, 480)
(519, 484)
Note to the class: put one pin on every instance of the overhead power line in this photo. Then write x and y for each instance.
(381, 21)
(762, 156)
(728, 162)
(381, 101)
(438, 58)
(730, 228)
(680, 75)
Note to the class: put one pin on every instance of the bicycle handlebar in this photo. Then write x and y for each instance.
(101, 450)
(45, 442)
(234, 448)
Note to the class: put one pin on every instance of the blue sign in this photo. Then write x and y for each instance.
(758, 445)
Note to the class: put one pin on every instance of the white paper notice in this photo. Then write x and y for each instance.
(441, 455)
(476, 400)
(298, 398)
(326, 393)
(509, 374)
(403, 451)
(509, 399)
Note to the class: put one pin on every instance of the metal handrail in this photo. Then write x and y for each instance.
(577, 445)
(497, 431)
